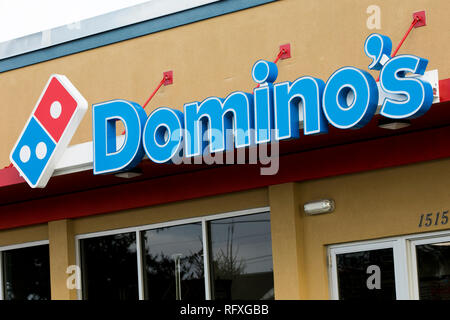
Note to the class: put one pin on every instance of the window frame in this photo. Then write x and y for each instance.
(14, 247)
(405, 260)
(138, 229)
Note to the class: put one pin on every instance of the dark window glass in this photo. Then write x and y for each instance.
(366, 275)
(110, 267)
(241, 258)
(26, 273)
(433, 267)
(173, 263)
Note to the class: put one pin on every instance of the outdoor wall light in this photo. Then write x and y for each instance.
(319, 206)
(393, 124)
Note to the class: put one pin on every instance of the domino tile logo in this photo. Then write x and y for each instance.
(48, 131)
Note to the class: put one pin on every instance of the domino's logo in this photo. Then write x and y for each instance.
(48, 131)
(393, 80)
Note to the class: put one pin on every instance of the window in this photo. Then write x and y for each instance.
(241, 258)
(225, 256)
(173, 263)
(406, 267)
(25, 272)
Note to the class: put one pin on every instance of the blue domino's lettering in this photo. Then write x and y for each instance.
(375, 47)
(106, 156)
(264, 117)
(265, 73)
(27, 153)
(163, 134)
(304, 93)
(363, 105)
(418, 94)
(348, 100)
(217, 116)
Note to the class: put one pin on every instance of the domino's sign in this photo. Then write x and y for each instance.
(48, 131)
(273, 107)
(273, 112)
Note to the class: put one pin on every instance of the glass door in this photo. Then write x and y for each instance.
(371, 270)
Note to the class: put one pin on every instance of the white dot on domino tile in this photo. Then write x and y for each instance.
(25, 154)
(41, 150)
(55, 109)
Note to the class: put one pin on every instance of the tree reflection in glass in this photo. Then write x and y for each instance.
(173, 263)
(241, 252)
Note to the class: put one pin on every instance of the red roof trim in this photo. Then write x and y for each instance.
(351, 158)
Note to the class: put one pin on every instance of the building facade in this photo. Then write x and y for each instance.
(227, 231)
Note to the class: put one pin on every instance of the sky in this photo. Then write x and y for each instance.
(22, 17)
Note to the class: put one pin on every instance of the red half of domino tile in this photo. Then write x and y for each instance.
(55, 109)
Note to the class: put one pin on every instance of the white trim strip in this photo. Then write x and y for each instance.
(14, 247)
(401, 270)
(78, 264)
(140, 265)
(24, 245)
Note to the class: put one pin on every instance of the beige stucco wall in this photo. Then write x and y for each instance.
(22, 235)
(214, 57)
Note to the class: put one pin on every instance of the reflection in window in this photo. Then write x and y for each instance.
(26, 273)
(173, 263)
(433, 265)
(354, 273)
(109, 266)
(241, 258)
